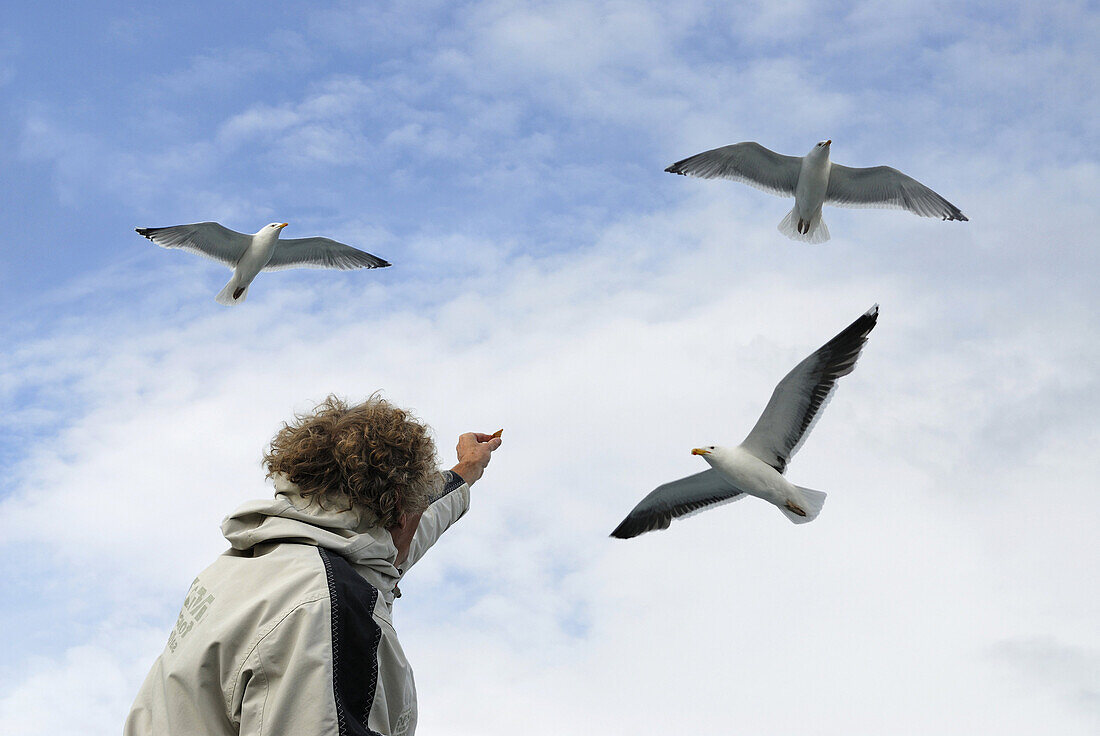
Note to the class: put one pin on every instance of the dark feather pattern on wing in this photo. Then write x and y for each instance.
(749, 163)
(676, 499)
(886, 187)
(798, 399)
(318, 252)
(208, 239)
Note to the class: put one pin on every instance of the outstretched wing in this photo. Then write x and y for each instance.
(320, 253)
(798, 400)
(749, 163)
(208, 239)
(882, 186)
(677, 499)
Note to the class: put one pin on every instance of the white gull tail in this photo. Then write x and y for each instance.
(814, 501)
(818, 232)
(225, 296)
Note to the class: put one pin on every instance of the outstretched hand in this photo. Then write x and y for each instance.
(474, 452)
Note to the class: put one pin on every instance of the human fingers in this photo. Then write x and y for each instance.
(473, 444)
(481, 450)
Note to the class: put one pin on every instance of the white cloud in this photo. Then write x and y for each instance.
(605, 365)
(1045, 663)
(323, 129)
(615, 319)
(82, 691)
(620, 63)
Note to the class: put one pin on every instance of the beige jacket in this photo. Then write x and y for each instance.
(291, 630)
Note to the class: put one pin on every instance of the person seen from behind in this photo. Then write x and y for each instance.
(290, 631)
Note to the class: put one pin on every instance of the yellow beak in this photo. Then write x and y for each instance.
(700, 451)
(284, 224)
(828, 143)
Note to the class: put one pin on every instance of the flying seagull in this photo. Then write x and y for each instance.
(756, 466)
(247, 255)
(814, 181)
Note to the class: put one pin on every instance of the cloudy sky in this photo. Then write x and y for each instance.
(550, 279)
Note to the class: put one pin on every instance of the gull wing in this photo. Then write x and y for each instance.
(799, 399)
(882, 186)
(320, 253)
(747, 162)
(677, 499)
(209, 239)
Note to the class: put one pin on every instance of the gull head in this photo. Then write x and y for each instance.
(270, 233)
(820, 149)
(712, 453)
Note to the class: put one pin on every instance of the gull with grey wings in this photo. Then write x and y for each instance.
(813, 180)
(756, 466)
(247, 254)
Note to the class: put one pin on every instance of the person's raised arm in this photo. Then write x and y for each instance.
(474, 450)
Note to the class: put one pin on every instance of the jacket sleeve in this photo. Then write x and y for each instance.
(440, 515)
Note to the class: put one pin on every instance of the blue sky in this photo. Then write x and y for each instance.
(550, 278)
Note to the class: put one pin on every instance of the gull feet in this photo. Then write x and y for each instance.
(238, 292)
(795, 509)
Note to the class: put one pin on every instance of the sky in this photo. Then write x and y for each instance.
(549, 278)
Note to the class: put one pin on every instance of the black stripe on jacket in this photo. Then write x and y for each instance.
(355, 637)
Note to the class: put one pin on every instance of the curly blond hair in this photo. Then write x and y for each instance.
(372, 456)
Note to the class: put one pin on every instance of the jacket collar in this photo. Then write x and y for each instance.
(289, 518)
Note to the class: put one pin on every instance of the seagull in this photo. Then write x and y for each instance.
(247, 255)
(756, 466)
(814, 181)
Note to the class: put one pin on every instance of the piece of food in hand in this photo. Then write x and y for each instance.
(496, 434)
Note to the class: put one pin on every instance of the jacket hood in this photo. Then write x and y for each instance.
(290, 518)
